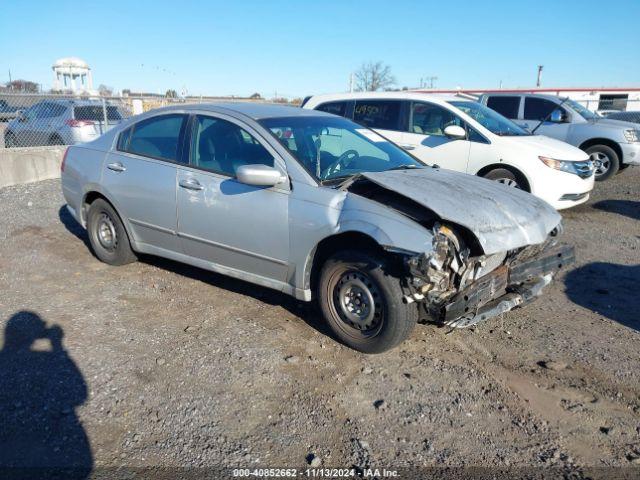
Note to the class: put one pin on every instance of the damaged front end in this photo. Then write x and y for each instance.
(459, 290)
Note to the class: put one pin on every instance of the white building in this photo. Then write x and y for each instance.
(595, 99)
(72, 74)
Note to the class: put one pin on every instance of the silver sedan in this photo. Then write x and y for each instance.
(318, 207)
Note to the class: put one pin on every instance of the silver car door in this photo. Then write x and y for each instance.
(140, 177)
(220, 220)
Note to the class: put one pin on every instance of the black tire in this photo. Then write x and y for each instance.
(10, 140)
(107, 235)
(56, 140)
(506, 177)
(609, 161)
(351, 273)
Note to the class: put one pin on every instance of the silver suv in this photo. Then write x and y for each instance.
(61, 122)
(611, 144)
(315, 206)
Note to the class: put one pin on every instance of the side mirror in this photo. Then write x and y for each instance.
(557, 116)
(455, 132)
(260, 175)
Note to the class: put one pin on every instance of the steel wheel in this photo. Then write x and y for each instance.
(106, 233)
(357, 302)
(601, 161)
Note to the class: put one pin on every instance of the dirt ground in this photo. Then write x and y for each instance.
(156, 363)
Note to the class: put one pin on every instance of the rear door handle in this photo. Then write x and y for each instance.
(408, 147)
(116, 167)
(190, 184)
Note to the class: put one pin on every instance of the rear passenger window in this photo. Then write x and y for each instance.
(221, 146)
(337, 108)
(123, 139)
(538, 108)
(383, 114)
(157, 137)
(505, 106)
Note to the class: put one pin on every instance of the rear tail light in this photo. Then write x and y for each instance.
(64, 159)
(78, 123)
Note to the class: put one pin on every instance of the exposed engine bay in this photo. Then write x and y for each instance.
(458, 289)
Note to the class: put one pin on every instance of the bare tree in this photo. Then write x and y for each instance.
(105, 90)
(374, 76)
(23, 86)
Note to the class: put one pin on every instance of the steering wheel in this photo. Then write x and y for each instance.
(343, 160)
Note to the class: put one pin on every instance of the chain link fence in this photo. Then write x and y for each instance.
(36, 120)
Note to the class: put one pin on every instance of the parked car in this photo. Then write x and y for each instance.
(315, 206)
(460, 134)
(611, 144)
(633, 116)
(7, 112)
(61, 122)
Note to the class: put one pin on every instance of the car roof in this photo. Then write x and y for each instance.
(253, 110)
(401, 95)
(521, 94)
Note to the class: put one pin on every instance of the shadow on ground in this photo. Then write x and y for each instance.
(608, 289)
(40, 388)
(628, 208)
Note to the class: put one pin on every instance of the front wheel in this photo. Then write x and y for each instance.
(362, 302)
(504, 176)
(605, 160)
(107, 235)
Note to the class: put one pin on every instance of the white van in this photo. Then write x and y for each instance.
(466, 136)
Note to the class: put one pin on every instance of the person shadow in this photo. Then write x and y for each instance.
(40, 433)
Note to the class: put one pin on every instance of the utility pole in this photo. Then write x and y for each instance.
(351, 83)
(432, 81)
(539, 80)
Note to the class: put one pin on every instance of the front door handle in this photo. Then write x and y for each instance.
(116, 167)
(190, 184)
(408, 147)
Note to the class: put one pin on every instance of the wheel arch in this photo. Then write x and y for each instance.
(351, 239)
(603, 141)
(520, 175)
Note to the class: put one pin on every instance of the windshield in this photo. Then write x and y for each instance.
(583, 111)
(490, 119)
(332, 148)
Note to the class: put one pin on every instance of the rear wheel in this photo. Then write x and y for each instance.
(506, 177)
(107, 235)
(56, 140)
(362, 302)
(10, 140)
(606, 161)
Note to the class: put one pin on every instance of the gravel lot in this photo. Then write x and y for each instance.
(156, 363)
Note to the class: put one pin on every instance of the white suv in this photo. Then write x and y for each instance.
(460, 134)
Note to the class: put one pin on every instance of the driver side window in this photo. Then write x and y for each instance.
(221, 147)
(430, 119)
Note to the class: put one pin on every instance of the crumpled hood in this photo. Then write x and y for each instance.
(548, 147)
(501, 217)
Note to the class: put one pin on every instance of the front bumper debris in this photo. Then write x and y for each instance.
(518, 280)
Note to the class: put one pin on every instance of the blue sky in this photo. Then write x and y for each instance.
(297, 48)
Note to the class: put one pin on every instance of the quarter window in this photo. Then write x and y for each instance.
(157, 137)
(382, 114)
(429, 119)
(505, 106)
(337, 108)
(538, 108)
(221, 146)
